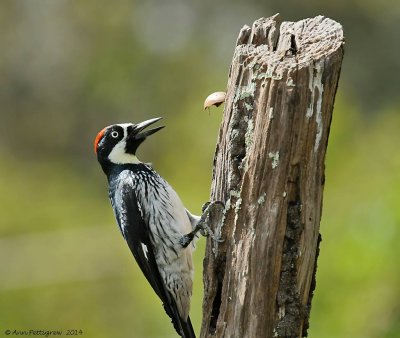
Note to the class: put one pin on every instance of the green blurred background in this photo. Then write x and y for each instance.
(69, 68)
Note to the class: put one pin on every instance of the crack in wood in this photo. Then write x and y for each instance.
(313, 285)
(288, 296)
(293, 45)
(216, 305)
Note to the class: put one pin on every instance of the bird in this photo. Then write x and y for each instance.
(151, 217)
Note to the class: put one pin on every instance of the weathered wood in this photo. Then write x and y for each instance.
(269, 172)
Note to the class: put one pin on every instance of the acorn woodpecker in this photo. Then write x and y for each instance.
(151, 217)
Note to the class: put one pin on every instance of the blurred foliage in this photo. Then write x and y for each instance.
(68, 68)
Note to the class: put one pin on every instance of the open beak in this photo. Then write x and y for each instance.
(138, 135)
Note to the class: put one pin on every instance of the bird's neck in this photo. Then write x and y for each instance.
(113, 170)
(121, 158)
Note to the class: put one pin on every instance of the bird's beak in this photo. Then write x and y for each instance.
(138, 135)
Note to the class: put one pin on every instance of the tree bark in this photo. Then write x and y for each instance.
(269, 172)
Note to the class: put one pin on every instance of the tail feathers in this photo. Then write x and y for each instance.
(182, 327)
(187, 329)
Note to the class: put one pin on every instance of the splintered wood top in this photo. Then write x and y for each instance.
(291, 43)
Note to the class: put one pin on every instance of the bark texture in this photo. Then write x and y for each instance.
(269, 172)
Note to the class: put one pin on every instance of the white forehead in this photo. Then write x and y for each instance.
(124, 126)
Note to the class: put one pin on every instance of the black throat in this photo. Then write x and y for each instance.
(113, 170)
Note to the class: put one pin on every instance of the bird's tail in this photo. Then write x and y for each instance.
(183, 327)
(187, 329)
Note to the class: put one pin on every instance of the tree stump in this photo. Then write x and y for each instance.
(269, 172)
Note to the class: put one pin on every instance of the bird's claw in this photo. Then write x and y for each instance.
(205, 230)
(202, 225)
(204, 207)
(208, 205)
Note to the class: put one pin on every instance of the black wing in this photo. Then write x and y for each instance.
(136, 233)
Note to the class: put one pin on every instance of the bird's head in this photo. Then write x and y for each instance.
(117, 144)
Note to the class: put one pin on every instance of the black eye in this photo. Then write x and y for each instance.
(114, 134)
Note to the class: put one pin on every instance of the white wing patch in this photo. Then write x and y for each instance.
(145, 251)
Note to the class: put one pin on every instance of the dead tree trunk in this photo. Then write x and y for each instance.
(269, 172)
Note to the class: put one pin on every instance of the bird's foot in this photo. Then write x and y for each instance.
(202, 226)
(186, 239)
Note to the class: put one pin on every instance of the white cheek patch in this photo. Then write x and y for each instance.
(118, 154)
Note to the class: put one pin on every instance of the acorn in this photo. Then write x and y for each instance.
(214, 99)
